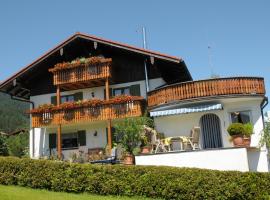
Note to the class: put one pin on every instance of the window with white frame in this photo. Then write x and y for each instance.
(241, 117)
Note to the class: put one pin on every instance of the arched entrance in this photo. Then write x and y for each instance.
(210, 131)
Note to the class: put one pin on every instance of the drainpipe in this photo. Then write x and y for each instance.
(264, 103)
(145, 66)
(33, 129)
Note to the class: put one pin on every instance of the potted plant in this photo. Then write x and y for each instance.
(248, 131)
(236, 131)
(129, 134)
(240, 134)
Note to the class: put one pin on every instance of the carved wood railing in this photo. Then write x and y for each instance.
(88, 114)
(83, 72)
(206, 88)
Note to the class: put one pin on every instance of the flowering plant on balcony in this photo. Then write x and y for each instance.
(85, 103)
(80, 62)
(123, 99)
(42, 108)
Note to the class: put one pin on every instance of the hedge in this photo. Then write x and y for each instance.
(155, 182)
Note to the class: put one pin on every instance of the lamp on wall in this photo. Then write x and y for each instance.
(95, 133)
(93, 94)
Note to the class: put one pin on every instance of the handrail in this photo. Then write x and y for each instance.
(88, 114)
(206, 88)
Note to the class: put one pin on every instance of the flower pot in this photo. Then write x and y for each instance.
(238, 140)
(145, 150)
(247, 141)
(129, 159)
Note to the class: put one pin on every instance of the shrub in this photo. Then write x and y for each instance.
(248, 129)
(148, 181)
(236, 129)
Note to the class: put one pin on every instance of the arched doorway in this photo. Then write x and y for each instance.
(210, 131)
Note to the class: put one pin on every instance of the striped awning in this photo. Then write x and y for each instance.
(178, 111)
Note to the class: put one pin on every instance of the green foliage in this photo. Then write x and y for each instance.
(248, 129)
(236, 129)
(18, 145)
(12, 118)
(147, 181)
(3, 146)
(12, 114)
(265, 139)
(129, 132)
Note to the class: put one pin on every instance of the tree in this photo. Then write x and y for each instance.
(3, 146)
(265, 139)
(18, 145)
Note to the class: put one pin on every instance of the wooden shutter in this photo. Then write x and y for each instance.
(53, 100)
(110, 93)
(82, 138)
(78, 96)
(135, 90)
(52, 140)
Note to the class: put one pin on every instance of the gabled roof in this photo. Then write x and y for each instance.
(79, 35)
(100, 40)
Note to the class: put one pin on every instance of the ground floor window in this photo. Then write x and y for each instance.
(69, 140)
(241, 117)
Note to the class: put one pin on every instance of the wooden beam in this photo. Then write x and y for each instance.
(59, 142)
(107, 89)
(59, 139)
(110, 134)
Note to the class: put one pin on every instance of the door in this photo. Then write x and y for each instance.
(211, 132)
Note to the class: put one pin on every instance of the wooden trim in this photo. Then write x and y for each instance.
(107, 89)
(110, 134)
(59, 142)
(251, 86)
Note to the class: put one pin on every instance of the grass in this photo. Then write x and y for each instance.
(21, 193)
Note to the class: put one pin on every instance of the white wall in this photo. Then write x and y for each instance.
(98, 91)
(258, 160)
(182, 124)
(222, 159)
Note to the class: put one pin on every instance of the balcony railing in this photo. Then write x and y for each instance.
(206, 88)
(87, 114)
(81, 72)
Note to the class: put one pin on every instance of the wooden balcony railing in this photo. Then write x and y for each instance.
(88, 114)
(206, 88)
(81, 72)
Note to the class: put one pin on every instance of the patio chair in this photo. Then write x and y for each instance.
(193, 140)
(110, 160)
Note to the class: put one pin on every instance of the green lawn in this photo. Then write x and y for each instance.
(21, 193)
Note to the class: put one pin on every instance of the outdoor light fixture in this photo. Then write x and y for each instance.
(95, 133)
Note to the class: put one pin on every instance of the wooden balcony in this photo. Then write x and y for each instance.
(82, 74)
(207, 88)
(87, 114)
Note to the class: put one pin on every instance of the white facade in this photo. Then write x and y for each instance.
(41, 135)
(178, 125)
(239, 159)
(253, 159)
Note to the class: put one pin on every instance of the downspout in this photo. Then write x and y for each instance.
(145, 65)
(264, 103)
(33, 129)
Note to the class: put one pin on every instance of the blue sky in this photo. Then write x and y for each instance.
(237, 31)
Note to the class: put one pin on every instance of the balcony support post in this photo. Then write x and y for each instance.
(109, 125)
(59, 139)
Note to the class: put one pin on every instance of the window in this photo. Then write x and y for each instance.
(67, 98)
(240, 117)
(133, 90)
(121, 91)
(69, 140)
